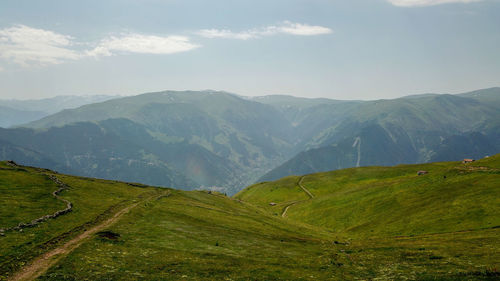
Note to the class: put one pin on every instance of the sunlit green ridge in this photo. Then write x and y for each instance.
(358, 223)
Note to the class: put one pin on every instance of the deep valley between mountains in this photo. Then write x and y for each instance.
(207, 185)
(224, 142)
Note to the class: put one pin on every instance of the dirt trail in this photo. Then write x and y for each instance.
(305, 189)
(42, 263)
(311, 196)
(288, 206)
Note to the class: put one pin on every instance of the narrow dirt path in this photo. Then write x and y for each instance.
(42, 263)
(288, 206)
(305, 189)
(311, 196)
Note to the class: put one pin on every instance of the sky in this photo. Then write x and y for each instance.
(345, 49)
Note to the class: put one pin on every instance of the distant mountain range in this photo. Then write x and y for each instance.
(415, 129)
(221, 141)
(18, 112)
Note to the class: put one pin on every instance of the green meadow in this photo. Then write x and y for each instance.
(370, 223)
(390, 201)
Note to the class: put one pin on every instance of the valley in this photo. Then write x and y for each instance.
(250, 140)
(224, 142)
(357, 223)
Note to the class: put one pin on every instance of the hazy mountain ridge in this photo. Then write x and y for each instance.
(55, 104)
(215, 139)
(220, 140)
(18, 112)
(416, 130)
(11, 116)
(118, 149)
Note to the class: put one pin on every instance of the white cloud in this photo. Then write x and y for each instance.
(303, 29)
(284, 28)
(224, 33)
(144, 44)
(417, 3)
(25, 45)
(28, 46)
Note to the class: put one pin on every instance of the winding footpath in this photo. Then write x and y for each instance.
(288, 206)
(42, 263)
(311, 196)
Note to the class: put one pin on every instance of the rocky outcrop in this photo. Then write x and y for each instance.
(12, 163)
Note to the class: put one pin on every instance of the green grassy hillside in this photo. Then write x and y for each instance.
(401, 225)
(363, 223)
(170, 233)
(26, 195)
(391, 201)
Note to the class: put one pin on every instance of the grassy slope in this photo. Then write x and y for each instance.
(19, 191)
(401, 225)
(452, 256)
(282, 192)
(93, 201)
(195, 235)
(391, 201)
(187, 233)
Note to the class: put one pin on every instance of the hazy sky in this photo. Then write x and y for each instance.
(349, 49)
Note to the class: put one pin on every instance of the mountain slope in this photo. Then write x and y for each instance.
(121, 231)
(206, 235)
(372, 145)
(251, 137)
(203, 117)
(309, 117)
(389, 210)
(390, 201)
(18, 112)
(406, 130)
(121, 149)
(10, 116)
(55, 104)
(224, 142)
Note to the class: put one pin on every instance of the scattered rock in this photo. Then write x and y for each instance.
(108, 235)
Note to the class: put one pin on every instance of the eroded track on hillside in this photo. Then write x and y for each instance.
(45, 261)
(288, 206)
(309, 194)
